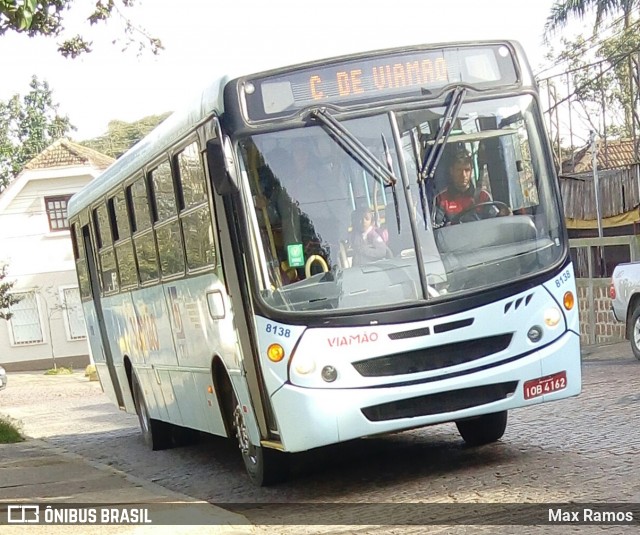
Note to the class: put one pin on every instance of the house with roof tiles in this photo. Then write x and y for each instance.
(47, 327)
(618, 169)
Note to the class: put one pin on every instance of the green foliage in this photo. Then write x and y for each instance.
(121, 136)
(59, 370)
(6, 297)
(599, 66)
(563, 11)
(46, 18)
(28, 125)
(9, 432)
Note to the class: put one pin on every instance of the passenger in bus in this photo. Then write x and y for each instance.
(461, 194)
(367, 243)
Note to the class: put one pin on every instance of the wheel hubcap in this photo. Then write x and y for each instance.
(244, 443)
(636, 333)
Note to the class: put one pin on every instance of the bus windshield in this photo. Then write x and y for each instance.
(330, 233)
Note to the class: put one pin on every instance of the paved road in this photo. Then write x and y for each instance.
(580, 450)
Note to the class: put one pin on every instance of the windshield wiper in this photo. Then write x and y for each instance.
(432, 158)
(356, 149)
(364, 156)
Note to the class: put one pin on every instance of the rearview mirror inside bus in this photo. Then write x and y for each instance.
(221, 165)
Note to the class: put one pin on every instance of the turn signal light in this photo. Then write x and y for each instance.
(612, 291)
(568, 300)
(275, 353)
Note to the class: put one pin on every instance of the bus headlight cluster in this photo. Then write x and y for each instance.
(306, 365)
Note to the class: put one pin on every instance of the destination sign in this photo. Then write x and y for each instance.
(379, 78)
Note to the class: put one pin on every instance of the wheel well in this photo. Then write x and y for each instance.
(224, 392)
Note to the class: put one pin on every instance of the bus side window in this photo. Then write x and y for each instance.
(81, 261)
(166, 223)
(122, 236)
(106, 255)
(194, 210)
(140, 221)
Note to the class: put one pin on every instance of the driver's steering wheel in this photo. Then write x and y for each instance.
(479, 211)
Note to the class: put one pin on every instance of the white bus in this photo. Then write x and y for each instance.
(230, 286)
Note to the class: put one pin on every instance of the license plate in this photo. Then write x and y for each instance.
(545, 385)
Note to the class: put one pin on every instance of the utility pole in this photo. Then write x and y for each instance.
(596, 190)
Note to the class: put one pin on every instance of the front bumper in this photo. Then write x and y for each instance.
(310, 417)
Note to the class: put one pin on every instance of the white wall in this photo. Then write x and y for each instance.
(41, 261)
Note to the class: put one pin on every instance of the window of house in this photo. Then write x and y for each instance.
(74, 318)
(25, 324)
(56, 208)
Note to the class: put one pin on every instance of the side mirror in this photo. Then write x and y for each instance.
(221, 162)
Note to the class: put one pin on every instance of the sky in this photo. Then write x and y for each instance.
(206, 38)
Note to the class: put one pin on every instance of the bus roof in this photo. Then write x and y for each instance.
(176, 126)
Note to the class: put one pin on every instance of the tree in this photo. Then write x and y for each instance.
(28, 125)
(46, 17)
(6, 297)
(615, 50)
(562, 11)
(121, 136)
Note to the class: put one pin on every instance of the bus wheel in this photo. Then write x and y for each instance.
(483, 429)
(265, 466)
(156, 434)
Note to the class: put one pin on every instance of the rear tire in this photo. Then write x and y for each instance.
(265, 466)
(634, 332)
(157, 435)
(483, 429)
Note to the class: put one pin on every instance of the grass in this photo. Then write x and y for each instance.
(9, 433)
(60, 370)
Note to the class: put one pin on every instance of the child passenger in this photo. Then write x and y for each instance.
(366, 239)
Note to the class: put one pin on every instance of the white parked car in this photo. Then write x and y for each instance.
(3, 378)
(625, 301)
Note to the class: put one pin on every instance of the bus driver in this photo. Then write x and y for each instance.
(461, 194)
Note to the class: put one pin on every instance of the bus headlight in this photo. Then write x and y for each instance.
(552, 317)
(304, 365)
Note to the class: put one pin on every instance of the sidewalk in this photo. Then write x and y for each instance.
(35, 472)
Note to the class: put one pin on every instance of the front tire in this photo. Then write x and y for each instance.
(483, 429)
(634, 332)
(157, 435)
(265, 466)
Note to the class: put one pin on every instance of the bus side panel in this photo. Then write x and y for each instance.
(197, 336)
(153, 350)
(198, 408)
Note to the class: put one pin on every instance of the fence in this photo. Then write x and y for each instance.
(594, 260)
